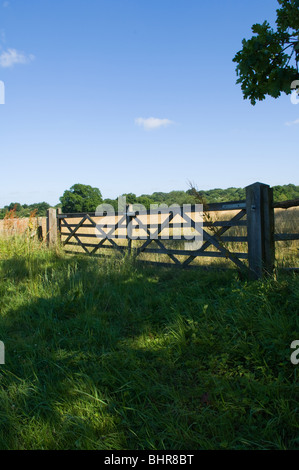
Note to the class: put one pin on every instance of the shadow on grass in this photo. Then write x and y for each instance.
(109, 356)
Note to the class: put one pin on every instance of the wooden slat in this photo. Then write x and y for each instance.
(210, 254)
(147, 226)
(75, 225)
(234, 239)
(92, 235)
(218, 235)
(83, 235)
(170, 237)
(92, 245)
(75, 215)
(286, 236)
(230, 223)
(286, 204)
(97, 255)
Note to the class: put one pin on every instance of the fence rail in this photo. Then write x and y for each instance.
(142, 233)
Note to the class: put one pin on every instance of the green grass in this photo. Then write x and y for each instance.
(109, 355)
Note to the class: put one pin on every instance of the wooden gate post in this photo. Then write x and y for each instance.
(260, 229)
(59, 211)
(52, 227)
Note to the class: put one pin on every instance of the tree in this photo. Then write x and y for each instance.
(112, 202)
(268, 62)
(81, 198)
(131, 198)
(14, 205)
(145, 201)
(40, 206)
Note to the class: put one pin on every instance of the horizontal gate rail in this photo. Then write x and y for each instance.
(286, 204)
(279, 237)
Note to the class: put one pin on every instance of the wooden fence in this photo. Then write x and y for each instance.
(82, 233)
(20, 225)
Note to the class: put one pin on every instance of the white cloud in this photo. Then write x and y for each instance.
(12, 56)
(153, 123)
(5, 4)
(292, 123)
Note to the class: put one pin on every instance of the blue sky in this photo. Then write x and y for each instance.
(83, 77)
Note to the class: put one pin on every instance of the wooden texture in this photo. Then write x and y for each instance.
(52, 229)
(286, 236)
(260, 229)
(286, 204)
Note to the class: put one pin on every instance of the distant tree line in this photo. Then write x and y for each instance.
(280, 193)
(84, 198)
(24, 210)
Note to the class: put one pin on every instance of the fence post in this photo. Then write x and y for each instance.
(59, 211)
(52, 226)
(39, 229)
(260, 229)
(129, 217)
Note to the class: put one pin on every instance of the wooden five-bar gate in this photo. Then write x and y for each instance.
(142, 234)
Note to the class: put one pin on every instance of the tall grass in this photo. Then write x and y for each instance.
(110, 355)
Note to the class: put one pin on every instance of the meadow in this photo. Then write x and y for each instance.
(110, 355)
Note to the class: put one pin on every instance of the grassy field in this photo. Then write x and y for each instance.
(110, 355)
